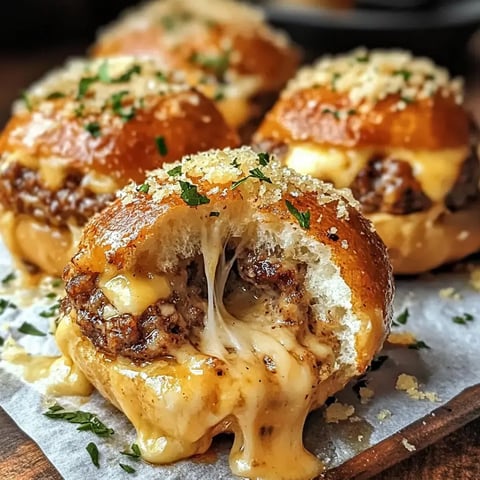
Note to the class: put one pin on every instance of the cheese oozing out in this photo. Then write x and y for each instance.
(437, 171)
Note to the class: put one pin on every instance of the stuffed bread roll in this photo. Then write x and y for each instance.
(226, 294)
(241, 61)
(394, 129)
(82, 133)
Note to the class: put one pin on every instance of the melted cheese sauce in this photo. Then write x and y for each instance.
(437, 171)
(130, 293)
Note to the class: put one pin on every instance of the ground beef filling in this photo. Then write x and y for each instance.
(22, 192)
(178, 319)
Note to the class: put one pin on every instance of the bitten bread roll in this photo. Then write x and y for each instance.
(82, 133)
(240, 61)
(393, 128)
(226, 294)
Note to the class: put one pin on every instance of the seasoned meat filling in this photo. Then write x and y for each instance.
(175, 320)
(388, 185)
(22, 191)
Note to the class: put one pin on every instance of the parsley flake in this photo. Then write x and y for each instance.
(2, 341)
(126, 77)
(407, 100)
(4, 304)
(55, 95)
(117, 106)
(254, 173)
(56, 282)
(335, 77)
(161, 76)
(93, 128)
(406, 74)
(92, 450)
(103, 73)
(51, 295)
(303, 218)
(88, 421)
(463, 319)
(51, 312)
(418, 345)
(402, 318)
(161, 146)
(134, 453)
(8, 278)
(79, 110)
(26, 101)
(29, 329)
(335, 113)
(175, 171)
(84, 85)
(127, 468)
(363, 58)
(217, 63)
(219, 96)
(143, 188)
(191, 196)
(263, 159)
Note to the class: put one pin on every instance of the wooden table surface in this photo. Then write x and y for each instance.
(456, 457)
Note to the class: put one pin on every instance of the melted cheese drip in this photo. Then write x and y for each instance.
(437, 171)
(129, 293)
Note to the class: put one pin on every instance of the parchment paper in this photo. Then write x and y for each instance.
(450, 365)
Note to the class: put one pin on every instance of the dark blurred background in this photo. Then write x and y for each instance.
(39, 34)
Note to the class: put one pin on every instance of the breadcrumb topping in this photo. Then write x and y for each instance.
(264, 181)
(371, 76)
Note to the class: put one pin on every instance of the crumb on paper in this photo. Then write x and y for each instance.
(408, 445)
(384, 414)
(360, 438)
(409, 383)
(337, 412)
(354, 419)
(366, 394)
(475, 278)
(402, 339)
(449, 293)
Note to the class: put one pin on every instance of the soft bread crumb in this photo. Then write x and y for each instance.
(408, 445)
(409, 384)
(402, 339)
(449, 293)
(366, 394)
(337, 412)
(384, 414)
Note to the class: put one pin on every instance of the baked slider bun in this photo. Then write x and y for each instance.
(393, 128)
(240, 60)
(81, 134)
(231, 295)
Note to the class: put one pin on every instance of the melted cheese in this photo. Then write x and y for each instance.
(129, 293)
(437, 171)
(99, 183)
(53, 172)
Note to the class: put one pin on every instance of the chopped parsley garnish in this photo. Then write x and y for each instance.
(143, 188)
(2, 341)
(263, 159)
(191, 196)
(402, 318)
(134, 453)
(29, 329)
(218, 96)
(406, 74)
(175, 171)
(335, 77)
(351, 111)
(463, 319)
(79, 110)
(161, 146)
(26, 101)
(127, 468)
(254, 173)
(51, 312)
(217, 63)
(303, 218)
(335, 113)
(55, 95)
(419, 344)
(93, 128)
(4, 304)
(103, 73)
(8, 278)
(92, 450)
(407, 100)
(51, 295)
(88, 421)
(214, 214)
(84, 85)
(56, 282)
(170, 22)
(377, 363)
(363, 58)
(235, 163)
(125, 77)
(117, 106)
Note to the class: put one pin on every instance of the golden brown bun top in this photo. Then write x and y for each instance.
(115, 237)
(219, 37)
(377, 98)
(119, 118)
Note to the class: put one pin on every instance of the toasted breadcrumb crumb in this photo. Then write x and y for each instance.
(337, 412)
(449, 293)
(403, 339)
(409, 384)
(408, 445)
(366, 394)
(384, 414)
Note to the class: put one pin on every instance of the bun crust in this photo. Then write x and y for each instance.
(335, 260)
(434, 123)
